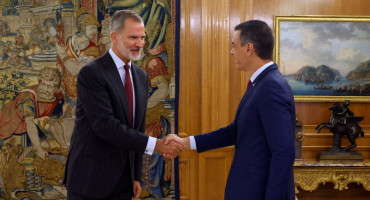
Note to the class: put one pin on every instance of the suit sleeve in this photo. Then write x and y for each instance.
(94, 98)
(222, 137)
(275, 110)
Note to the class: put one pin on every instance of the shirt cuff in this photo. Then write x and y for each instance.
(193, 144)
(150, 146)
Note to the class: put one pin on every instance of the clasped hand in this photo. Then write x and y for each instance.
(171, 146)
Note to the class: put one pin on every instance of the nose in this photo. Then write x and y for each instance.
(140, 43)
(232, 51)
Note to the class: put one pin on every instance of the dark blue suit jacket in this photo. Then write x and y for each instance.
(102, 144)
(263, 135)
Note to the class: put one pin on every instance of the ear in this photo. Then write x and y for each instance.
(249, 48)
(113, 36)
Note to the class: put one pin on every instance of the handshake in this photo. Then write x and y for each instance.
(172, 145)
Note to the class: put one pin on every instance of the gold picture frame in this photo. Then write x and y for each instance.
(324, 58)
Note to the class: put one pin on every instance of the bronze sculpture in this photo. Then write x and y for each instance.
(342, 122)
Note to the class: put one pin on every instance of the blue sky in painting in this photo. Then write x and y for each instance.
(340, 45)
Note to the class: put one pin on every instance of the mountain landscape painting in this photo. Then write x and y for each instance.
(323, 57)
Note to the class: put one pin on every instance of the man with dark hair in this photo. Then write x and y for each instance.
(108, 141)
(259, 35)
(263, 128)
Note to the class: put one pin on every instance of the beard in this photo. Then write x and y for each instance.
(46, 96)
(126, 52)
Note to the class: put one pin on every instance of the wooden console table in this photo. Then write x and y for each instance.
(308, 175)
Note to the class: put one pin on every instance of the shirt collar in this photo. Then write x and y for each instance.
(260, 70)
(119, 63)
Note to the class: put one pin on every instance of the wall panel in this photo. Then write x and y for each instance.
(215, 59)
(189, 121)
(214, 167)
(211, 87)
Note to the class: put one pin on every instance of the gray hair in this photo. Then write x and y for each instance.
(119, 17)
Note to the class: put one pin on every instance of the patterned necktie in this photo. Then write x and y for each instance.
(129, 94)
(249, 83)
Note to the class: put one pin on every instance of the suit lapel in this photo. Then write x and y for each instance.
(246, 94)
(139, 94)
(114, 77)
(251, 88)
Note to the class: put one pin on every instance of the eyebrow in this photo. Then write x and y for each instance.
(138, 36)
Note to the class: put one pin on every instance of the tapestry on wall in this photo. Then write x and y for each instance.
(43, 46)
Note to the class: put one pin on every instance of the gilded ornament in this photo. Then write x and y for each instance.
(300, 136)
(52, 171)
(310, 177)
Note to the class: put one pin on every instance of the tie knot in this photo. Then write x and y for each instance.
(127, 67)
(249, 83)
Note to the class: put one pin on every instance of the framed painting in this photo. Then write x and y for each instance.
(324, 58)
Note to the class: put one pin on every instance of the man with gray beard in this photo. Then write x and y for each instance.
(108, 140)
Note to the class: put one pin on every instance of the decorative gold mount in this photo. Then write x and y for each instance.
(309, 178)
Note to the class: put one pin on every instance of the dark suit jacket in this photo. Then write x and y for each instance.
(102, 143)
(263, 135)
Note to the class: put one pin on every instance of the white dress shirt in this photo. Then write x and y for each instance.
(120, 67)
